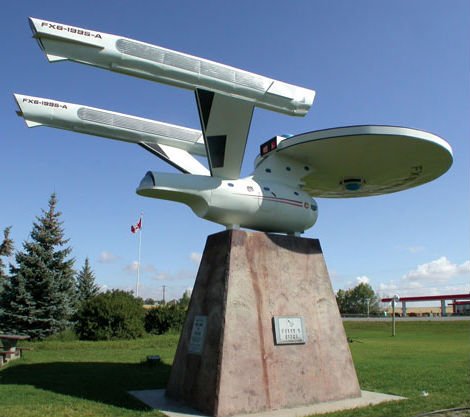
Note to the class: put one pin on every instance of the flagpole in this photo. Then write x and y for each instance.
(138, 264)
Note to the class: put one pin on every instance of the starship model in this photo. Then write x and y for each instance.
(356, 161)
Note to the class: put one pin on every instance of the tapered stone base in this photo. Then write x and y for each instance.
(244, 280)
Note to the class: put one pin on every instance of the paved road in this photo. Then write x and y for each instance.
(448, 318)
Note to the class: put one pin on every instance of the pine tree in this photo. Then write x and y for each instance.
(6, 249)
(86, 286)
(39, 298)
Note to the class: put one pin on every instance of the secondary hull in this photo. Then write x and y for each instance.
(239, 203)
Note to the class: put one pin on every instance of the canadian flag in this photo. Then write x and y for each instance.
(137, 226)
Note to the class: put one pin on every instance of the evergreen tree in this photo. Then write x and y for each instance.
(86, 286)
(39, 296)
(6, 249)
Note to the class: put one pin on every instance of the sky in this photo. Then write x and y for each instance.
(402, 63)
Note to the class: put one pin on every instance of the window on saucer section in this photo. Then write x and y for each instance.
(313, 206)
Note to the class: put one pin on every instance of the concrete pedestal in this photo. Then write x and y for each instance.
(228, 361)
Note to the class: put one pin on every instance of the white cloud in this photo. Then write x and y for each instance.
(150, 272)
(134, 266)
(362, 280)
(438, 271)
(173, 276)
(195, 257)
(103, 288)
(415, 284)
(439, 276)
(388, 288)
(107, 257)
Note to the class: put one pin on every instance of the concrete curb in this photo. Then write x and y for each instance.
(156, 399)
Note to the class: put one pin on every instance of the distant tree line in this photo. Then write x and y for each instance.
(42, 295)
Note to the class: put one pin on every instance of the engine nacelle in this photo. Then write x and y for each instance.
(152, 62)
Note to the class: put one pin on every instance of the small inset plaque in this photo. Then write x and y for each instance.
(289, 330)
(198, 334)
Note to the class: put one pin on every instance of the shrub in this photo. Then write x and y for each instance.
(111, 315)
(68, 335)
(165, 317)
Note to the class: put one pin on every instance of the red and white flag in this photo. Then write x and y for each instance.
(136, 227)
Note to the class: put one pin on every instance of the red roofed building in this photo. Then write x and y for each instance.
(460, 302)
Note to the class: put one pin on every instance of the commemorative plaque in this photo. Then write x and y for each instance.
(198, 334)
(289, 330)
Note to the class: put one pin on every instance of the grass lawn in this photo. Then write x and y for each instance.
(71, 378)
(423, 356)
(74, 378)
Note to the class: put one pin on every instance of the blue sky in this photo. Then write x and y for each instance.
(404, 63)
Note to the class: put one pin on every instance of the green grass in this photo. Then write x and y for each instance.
(68, 378)
(423, 356)
(74, 378)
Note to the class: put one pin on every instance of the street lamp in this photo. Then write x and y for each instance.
(395, 299)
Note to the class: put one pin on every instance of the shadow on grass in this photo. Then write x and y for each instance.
(101, 382)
